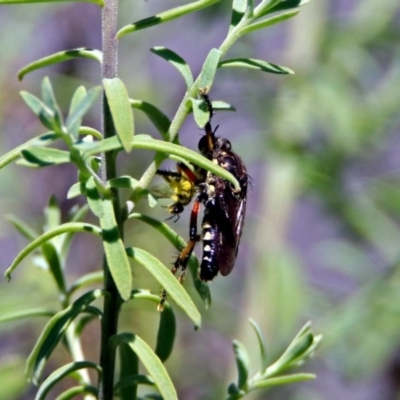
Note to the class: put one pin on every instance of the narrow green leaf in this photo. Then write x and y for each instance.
(167, 326)
(129, 367)
(209, 69)
(249, 8)
(54, 263)
(124, 182)
(76, 390)
(304, 330)
(148, 143)
(166, 333)
(118, 100)
(275, 6)
(301, 348)
(165, 16)
(64, 228)
(283, 380)
(50, 249)
(22, 314)
(255, 64)
(77, 214)
(177, 61)
(78, 96)
(60, 56)
(114, 249)
(150, 361)
(156, 116)
(200, 112)
(201, 287)
(54, 331)
(264, 8)
(79, 108)
(296, 349)
(93, 311)
(108, 144)
(95, 164)
(317, 339)
(238, 10)
(52, 213)
(167, 280)
(23, 228)
(93, 197)
(131, 381)
(40, 141)
(269, 21)
(76, 190)
(242, 363)
(262, 344)
(88, 131)
(44, 113)
(43, 157)
(86, 280)
(50, 101)
(61, 373)
(93, 314)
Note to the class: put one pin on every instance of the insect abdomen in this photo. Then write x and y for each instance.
(209, 265)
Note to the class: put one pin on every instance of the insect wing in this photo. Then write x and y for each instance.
(162, 191)
(230, 223)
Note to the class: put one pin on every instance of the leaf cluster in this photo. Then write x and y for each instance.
(302, 347)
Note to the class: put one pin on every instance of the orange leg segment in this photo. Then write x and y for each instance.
(183, 257)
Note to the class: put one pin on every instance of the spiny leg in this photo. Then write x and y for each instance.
(207, 142)
(183, 257)
(206, 99)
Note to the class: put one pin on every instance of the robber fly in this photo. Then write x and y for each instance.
(224, 206)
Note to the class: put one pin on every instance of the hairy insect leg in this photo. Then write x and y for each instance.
(208, 141)
(183, 257)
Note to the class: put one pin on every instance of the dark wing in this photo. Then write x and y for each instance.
(231, 218)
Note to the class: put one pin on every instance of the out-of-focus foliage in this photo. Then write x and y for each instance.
(331, 195)
(322, 234)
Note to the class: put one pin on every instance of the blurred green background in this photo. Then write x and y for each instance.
(322, 236)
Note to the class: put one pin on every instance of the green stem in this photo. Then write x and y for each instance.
(112, 303)
(234, 35)
(184, 108)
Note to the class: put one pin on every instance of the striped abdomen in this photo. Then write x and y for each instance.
(209, 265)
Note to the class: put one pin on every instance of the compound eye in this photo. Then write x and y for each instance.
(203, 145)
(226, 145)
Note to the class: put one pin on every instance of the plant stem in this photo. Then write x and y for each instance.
(112, 302)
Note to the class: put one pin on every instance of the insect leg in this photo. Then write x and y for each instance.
(183, 257)
(208, 141)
